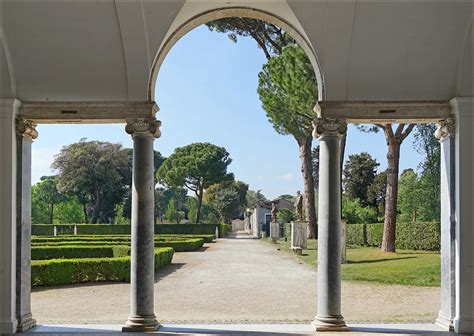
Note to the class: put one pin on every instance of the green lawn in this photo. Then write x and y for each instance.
(416, 268)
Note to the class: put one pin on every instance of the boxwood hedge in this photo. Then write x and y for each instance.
(113, 229)
(78, 251)
(68, 271)
(410, 236)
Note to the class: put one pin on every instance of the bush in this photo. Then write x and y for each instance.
(114, 229)
(78, 251)
(355, 213)
(68, 271)
(410, 236)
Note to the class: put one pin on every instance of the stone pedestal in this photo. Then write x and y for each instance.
(142, 317)
(328, 317)
(274, 231)
(299, 233)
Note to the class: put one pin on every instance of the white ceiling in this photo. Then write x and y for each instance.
(103, 50)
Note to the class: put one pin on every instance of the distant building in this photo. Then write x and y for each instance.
(258, 217)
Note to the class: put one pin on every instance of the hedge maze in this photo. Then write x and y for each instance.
(102, 251)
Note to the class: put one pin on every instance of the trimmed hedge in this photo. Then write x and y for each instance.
(68, 271)
(106, 243)
(113, 229)
(78, 251)
(410, 236)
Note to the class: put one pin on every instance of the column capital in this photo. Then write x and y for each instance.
(329, 127)
(143, 127)
(446, 128)
(26, 128)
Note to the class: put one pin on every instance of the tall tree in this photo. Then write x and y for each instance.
(288, 92)
(409, 196)
(224, 203)
(96, 173)
(196, 167)
(47, 192)
(377, 192)
(425, 143)
(253, 197)
(394, 141)
(238, 186)
(315, 164)
(359, 173)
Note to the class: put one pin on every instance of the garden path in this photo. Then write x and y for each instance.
(238, 281)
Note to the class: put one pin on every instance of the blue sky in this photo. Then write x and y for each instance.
(206, 91)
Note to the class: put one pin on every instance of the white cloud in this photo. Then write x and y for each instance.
(41, 160)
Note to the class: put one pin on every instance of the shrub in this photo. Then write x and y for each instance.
(68, 271)
(355, 213)
(120, 229)
(78, 251)
(410, 236)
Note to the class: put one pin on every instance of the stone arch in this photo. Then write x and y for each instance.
(220, 13)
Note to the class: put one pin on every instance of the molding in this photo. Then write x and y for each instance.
(462, 106)
(9, 107)
(386, 111)
(87, 112)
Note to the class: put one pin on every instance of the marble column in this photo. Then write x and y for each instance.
(8, 112)
(26, 133)
(328, 317)
(463, 110)
(445, 134)
(142, 317)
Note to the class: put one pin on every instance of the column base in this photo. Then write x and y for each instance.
(444, 322)
(141, 323)
(329, 323)
(464, 325)
(25, 323)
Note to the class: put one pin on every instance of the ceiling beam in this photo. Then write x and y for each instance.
(86, 112)
(386, 112)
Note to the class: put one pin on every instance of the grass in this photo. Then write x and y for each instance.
(415, 268)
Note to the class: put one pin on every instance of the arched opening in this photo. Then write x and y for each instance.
(220, 13)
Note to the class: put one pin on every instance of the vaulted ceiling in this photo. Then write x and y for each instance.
(104, 50)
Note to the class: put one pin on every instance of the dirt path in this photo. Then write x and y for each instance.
(235, 280)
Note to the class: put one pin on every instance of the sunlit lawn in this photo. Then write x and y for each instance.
(416, 268)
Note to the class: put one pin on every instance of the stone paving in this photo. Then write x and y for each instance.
(235, 281)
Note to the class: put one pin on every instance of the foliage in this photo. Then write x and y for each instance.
(354, 212)
(191, 204)
(285, 215)
(171, 211)
(196, 166)
(56, 272)
(78, 251)
(270, 38)
(408, 196)
(253, 197)
(224, 203)
(95, 172)
(315, 164)
(430, 177)
(46, 192)
(410, 236)
(359, 173)
(377, 191)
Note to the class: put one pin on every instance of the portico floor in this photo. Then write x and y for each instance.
(241, 281)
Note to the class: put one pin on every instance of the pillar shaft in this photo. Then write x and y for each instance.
(463, 109)
(142, 316)
(8, 112)
(329, 316)
(26, 132)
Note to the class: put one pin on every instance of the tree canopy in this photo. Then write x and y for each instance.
(196, 167)
(359, 173)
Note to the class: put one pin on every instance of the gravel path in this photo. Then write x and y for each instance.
(238, 281)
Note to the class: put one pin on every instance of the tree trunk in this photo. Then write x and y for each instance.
(95, 212)
(307, 171)
(199, 195)
(389, 228)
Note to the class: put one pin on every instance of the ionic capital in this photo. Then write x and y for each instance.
(329, 127)
(26, 128)
(445, 129)
(143, 127)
